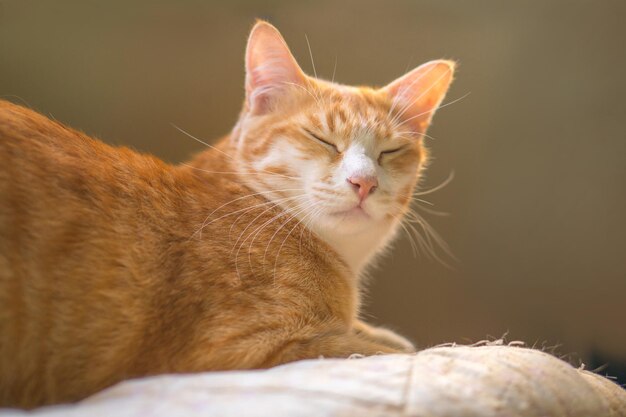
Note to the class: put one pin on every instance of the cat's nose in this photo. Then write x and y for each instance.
(363, 185)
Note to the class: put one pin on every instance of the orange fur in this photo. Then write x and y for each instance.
(116, 265)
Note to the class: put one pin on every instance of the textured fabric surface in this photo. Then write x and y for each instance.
(484, 381)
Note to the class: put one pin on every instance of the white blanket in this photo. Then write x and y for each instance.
(485, 381)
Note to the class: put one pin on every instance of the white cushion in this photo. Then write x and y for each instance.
(452, 381)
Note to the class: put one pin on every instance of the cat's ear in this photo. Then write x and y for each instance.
(419, 93)
(270, 68)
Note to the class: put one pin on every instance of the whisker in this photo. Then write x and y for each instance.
(423, 201)
(256, 232)
(241, 235)
(283, 243)
(432, 238)
(307, 225)
(433, 212)
(410, 134)
(436, 237)
(437, 187)
(265, 225)
(328, 193)
(408, 234)
(200, 140)
(223, 153)
(316, 98)
(424, 244)
(437, 108)
(311, 55)
(428, 240)
(419, 239)
(293, 215)
(260, 173)
(276, 203)
(204, 223)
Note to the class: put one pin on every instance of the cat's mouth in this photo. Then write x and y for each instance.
(356, 212)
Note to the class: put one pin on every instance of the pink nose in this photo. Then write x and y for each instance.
(364, 186)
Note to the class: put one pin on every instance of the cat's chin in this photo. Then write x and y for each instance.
(355, 213)
(350, 221)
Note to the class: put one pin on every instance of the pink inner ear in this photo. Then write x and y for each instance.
(270, 67)
(417, 94)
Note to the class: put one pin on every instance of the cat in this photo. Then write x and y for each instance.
(115, 265)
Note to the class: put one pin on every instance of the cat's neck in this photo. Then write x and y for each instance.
(358, 249)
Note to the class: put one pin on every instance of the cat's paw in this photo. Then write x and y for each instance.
(386, 337)
(393, 339)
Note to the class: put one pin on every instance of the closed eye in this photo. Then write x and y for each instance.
(389, 152)
(325, 142)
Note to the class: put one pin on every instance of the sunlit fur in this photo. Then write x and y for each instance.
(116, 265)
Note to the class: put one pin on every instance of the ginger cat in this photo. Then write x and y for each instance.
(115, 265)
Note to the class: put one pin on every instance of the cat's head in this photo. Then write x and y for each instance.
(342, 159)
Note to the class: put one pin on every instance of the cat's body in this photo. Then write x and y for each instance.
(155, 296)
(116, 265)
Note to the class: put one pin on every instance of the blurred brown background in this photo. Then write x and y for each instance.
(538, 147)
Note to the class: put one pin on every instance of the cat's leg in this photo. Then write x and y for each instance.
(384, 336)
(333, 346)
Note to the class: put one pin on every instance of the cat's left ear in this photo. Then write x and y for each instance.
(419, 93)
(271, 69)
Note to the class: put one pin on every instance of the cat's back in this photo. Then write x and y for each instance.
(25, 134)
(39, 150)
(46, 166)
(45, 173)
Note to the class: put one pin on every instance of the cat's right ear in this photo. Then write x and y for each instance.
(270, 68)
